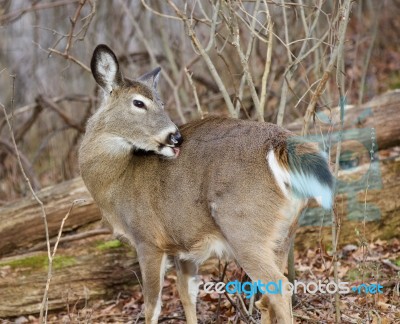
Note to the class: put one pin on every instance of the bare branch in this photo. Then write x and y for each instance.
(267, 66)
(245, 65)
(293, 65)
(196, 97)
(73, 23)
(53, 106)
(196, 43)
(44, 303)
(337, 49)
(71, 58)
(66, 54)
(248, 52)
(213, 26)
(157, 12)
(153, 58)
(13, 16)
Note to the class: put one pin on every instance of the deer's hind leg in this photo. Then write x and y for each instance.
(272, 306)
(252, 235)
(188, 287)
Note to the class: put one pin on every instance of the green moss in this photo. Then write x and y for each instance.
(353, 275)
(40, 261)
(109, 245)
(394, 81)
(60, 262)
(37, 261)
(397, 262)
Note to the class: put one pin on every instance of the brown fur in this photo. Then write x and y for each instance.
(166, 204)
(220, 188)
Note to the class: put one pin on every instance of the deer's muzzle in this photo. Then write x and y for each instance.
(175, 139)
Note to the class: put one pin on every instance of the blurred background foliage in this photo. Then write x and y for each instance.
(49, 92)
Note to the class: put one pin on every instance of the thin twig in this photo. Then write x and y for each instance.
(285, 24)
(53, 106)
(248, 315)
(294, 64)
(267, 67)
(43, 306)
(196, 97)
(249, 49)
(199, 47)
(335, 224)
(50, 264)
(66, 54)
(13, 16)
(333, 60)
(244, 62)
(157, 12)
(71, 58)
(73, 24)
(368, 57)
(213, 26)
(153, 58)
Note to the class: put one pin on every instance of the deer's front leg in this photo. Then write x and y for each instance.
(152, 266)
(188, 287)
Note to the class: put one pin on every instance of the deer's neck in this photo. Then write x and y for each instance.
(104, 159)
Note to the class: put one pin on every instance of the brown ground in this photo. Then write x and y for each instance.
(377, 262)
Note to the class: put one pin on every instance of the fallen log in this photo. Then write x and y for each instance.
(379, 205)
(380, 113)
(367, 188)
(21, 222)
(83, 271)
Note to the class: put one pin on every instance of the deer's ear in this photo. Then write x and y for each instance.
(151, 78)
(105, 68)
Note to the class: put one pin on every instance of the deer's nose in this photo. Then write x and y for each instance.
(176, 138)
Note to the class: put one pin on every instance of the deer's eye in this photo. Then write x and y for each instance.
(139, 104)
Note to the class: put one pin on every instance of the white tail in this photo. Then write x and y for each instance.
(235, 190)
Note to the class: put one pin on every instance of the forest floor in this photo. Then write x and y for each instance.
(374, 263)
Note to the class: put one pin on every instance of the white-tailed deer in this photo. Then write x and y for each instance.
(236, 189)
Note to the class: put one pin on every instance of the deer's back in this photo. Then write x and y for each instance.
(222, 165)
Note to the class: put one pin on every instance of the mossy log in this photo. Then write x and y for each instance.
(83, 271)
(21, 222)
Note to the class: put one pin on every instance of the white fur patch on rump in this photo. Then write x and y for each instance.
(281, 175)
(305, 185)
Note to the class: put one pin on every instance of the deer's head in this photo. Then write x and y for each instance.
(132, 109)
